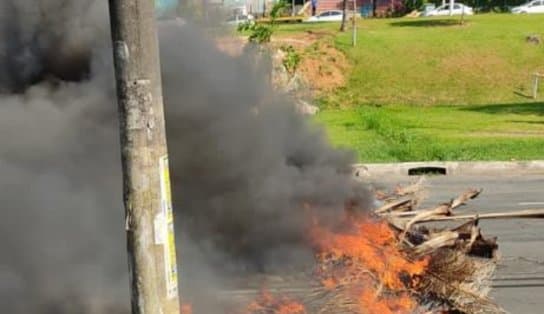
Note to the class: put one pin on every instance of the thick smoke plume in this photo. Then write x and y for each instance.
(244, 164)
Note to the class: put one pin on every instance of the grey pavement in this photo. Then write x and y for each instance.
(519, 282)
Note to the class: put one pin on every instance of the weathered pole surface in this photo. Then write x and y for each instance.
(146, 183)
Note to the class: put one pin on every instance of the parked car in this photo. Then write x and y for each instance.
(326, 16)
(239, 19)
(444, 10)
(535, 6)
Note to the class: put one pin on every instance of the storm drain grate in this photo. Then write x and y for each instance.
(427, 171)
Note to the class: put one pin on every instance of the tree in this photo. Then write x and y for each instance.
(344, 9)
(261, 32)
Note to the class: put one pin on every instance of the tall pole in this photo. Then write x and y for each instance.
(146, 182)
(463, 15)
(354, 24)
(344, 15)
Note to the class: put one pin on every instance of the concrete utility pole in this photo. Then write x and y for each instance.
(146, 181)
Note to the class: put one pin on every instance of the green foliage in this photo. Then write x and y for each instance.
(411, 5)
(406, 133)
(262, 33)
(277, 9)
(258, 33)
(291, 59)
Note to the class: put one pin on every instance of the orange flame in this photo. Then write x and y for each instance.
(266, 303)
(373, 303)
(186, 308)
(363, 255)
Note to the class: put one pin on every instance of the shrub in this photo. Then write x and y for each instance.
(261, 33)
(291, 59)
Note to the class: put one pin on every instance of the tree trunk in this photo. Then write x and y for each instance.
(344, 9)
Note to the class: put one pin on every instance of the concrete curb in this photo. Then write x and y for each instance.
(452, 168)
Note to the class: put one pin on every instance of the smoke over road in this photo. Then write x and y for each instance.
(243, 162)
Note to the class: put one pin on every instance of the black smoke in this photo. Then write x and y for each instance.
(243, 163)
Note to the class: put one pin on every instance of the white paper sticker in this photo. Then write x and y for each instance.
(160, 228)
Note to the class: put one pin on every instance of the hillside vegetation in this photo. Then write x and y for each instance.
(432, 89)
(438, 62)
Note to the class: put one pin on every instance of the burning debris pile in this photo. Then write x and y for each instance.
(266, 303)
(389, 262)
(362, 269)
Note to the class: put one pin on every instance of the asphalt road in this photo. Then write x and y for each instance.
(519, 282)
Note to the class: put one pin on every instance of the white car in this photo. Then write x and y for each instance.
(444, 10)
(535, 6)
(239, 19)
(326, 16)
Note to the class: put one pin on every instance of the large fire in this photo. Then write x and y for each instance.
(266, 303)
(380, 263)
(360, 258)
(358, 262)
(186, 308)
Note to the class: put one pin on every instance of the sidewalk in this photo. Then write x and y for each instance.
(449, 168)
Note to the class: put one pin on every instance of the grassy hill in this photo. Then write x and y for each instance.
(437, 61)
(432, 89)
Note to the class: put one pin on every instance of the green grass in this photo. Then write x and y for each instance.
(411, 133)
(438, 62)
(431, 89)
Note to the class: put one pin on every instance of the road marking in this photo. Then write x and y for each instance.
(530, 203)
